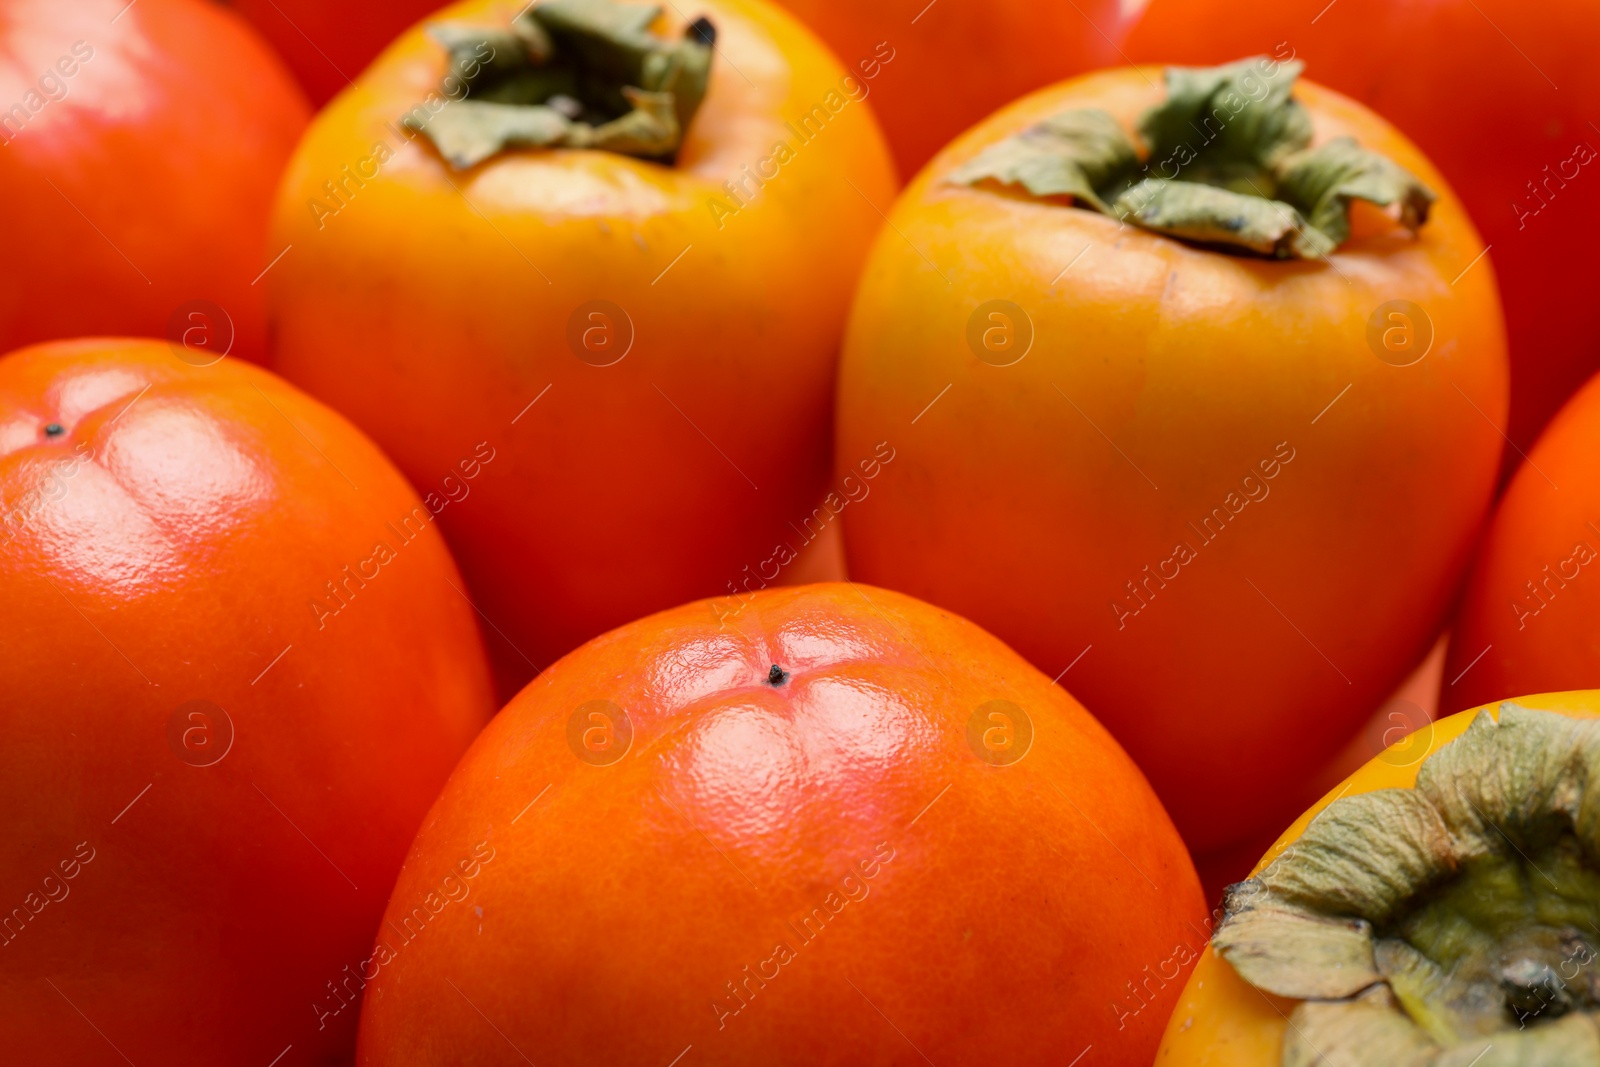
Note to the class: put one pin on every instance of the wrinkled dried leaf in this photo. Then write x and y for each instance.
(1445, 1007)
(1231, 118)
(1498, 783)
(1075, 153)
(1366, 855)
(1370, 1031)
(1571, 1041)
(1293, 953)
(1322, 181)
(1211, 215)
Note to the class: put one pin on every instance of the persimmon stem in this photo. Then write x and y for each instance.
(568, 73)
(1224, 160)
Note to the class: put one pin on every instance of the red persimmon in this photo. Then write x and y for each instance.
(328, 43)
(142, 147)
(237, 669)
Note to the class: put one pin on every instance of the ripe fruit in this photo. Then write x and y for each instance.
(840, 805)
(933, 69)
(1437, 909)
(1199, 486)
(1501, 98)
(1528, 620)
(327, 45)
(236, 673)
(650, 350)
(142, 147)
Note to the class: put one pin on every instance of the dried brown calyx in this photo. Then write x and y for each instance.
(1454, 924)
(568, 73)
(1225, 160)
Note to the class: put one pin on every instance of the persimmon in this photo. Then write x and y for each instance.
(638, 303)
(1215, 460)
(142, 148)
(1447, 73)
(842, 804)
(1438, 909)
(239, 665)
(328, 44)
(1528, 619)
(933, 69)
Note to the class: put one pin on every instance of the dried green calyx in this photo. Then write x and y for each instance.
(568, 73)
(1451, 925)
(1225, 160)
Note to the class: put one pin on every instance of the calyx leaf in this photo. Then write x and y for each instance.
(1224, 160)
(1328, 177)
(1209, 215)
(572, 73)
(1428, 927)
(1073, 153)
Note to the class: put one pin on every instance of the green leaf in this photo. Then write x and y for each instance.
(1225, 163)
(1219, 124)
(1322, 181)
(1215, 216)
(1368, 855)
(467, 132)
(1074, 153)
(480, 54)
(1500, 783)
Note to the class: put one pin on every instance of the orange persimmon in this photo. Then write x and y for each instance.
(648, 342)
(1225, 497)
(237, 669)
(843, 805)
(1502, 97)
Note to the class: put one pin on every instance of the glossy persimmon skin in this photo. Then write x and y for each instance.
(166, 546)
(1221, 1020)
(930, 70)
(619, 896)
(1528, 618)
(145, 185)
(1493, 94)
(1166, 381)
(328, 43)
(437, 309)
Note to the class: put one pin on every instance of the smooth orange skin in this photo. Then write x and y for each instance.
(328, 43)
(1252, 665)
(149, 184)
(620, 898)
(955, 61)
(1528, 619)
(1493, 92)
(1221, 1021)
(433, 309)
(176, 562)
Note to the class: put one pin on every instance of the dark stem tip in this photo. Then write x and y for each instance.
(703, 31)
(777, 675)
(54, 429)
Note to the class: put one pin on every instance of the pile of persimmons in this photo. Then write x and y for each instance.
(800, 532)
